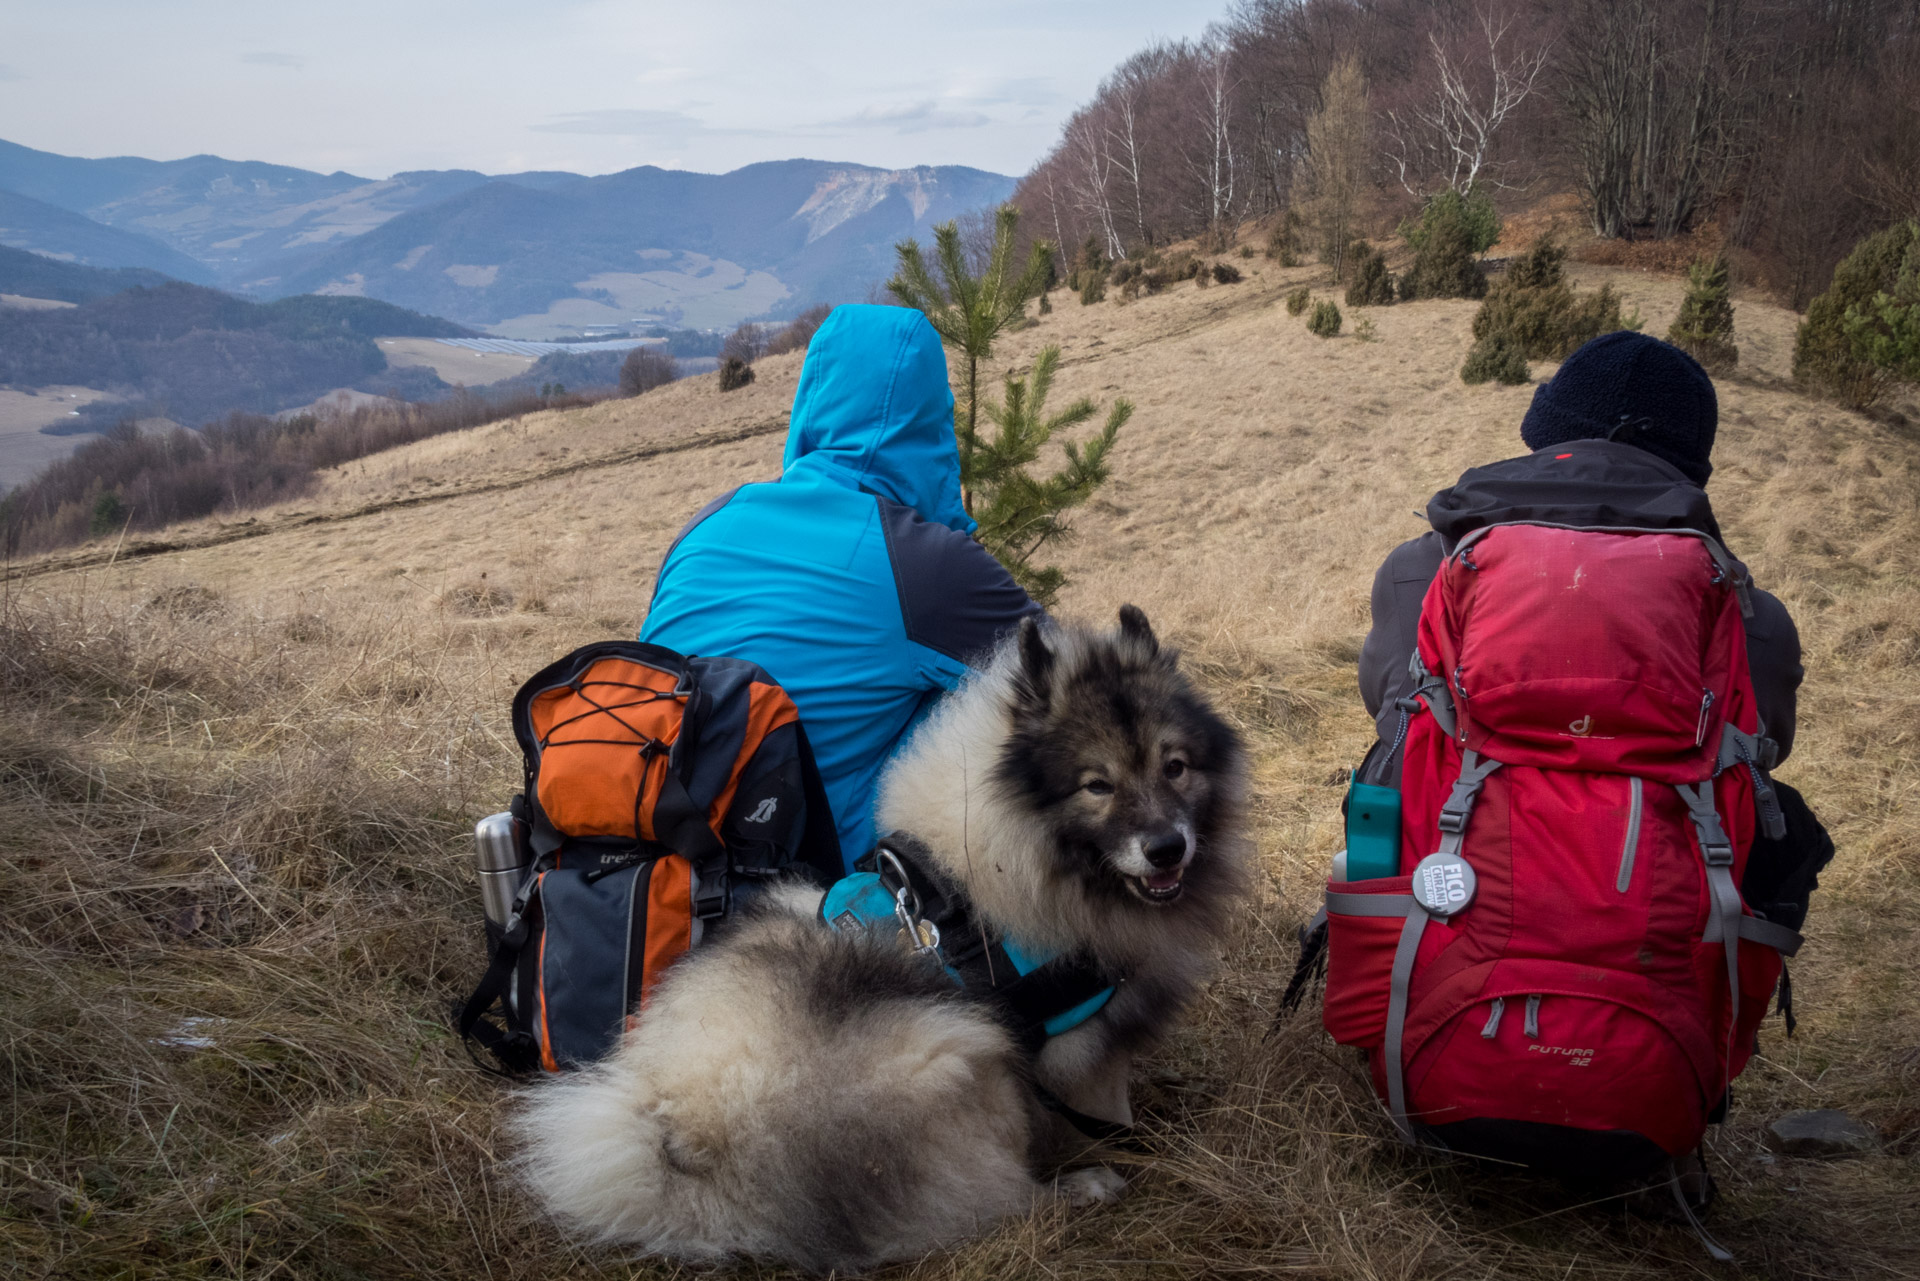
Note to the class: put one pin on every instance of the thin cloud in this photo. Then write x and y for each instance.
(1021, 91)
(269, 58)
(8, 73)
(674, 128)
(912, 117)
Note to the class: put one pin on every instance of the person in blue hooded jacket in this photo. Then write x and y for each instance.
(853, 579)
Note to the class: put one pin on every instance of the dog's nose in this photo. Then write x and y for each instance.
(1166, 849)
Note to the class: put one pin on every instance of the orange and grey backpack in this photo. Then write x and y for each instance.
(657, 788)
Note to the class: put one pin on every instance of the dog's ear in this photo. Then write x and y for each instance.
(1036, 666)
(1134, 626)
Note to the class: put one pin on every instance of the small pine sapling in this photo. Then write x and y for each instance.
(1704, 328)
(1325, 320)
(1020, 513)
(1865, 328)
(109, 514)
(1297, 300)
(1225, 274)
(1372, 283)
(1446, 242)
(970, 312)
(1495, 359)
(735, 373)
(1536, 310)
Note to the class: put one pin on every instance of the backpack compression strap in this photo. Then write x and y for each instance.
(1453, 831)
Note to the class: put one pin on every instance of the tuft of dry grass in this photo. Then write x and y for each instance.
(235, 854)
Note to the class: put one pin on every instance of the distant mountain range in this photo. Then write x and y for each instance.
(26, 223)
(524, 255)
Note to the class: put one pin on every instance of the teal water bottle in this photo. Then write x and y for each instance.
(1373, 830)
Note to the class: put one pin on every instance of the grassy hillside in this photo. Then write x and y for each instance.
(239, 763)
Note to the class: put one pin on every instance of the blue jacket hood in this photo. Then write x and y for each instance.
(874, 412)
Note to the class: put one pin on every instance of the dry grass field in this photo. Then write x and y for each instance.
(239, 763)
(455, 364)
(24, 449)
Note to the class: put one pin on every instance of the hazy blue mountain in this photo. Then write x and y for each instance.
(231, 215)
(533, 254)
(26, 223)
(651, 245)
(37, 276)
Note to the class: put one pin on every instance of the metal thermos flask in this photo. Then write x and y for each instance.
(496, 841)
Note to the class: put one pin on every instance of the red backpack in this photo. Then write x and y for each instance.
(1564, 973)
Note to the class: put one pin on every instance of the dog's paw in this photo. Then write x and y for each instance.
(1096, 1185)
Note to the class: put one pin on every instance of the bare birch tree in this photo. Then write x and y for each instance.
(1447, 140)
(1088, 143)
(1210, 146)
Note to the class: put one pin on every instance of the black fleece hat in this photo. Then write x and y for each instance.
(1634, 389)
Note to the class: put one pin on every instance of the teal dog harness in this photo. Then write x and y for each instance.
(897, 887)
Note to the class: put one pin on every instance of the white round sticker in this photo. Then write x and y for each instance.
(1443, 884)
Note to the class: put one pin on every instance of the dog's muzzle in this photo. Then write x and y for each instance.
(1156, 866)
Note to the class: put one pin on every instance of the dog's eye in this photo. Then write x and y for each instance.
(1099, 787)
(1174, 768)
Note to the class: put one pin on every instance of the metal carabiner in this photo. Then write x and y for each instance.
(922, 935)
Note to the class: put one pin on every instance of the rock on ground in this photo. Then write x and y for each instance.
(1822, 1132)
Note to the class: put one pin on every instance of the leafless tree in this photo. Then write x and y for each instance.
(746, 344)
(1210, 143)
(1447, 139)
(1129, 98)
(1654, 108)
(1091, 170)
(1792, 124)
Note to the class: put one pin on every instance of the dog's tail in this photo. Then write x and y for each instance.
(789, 1093)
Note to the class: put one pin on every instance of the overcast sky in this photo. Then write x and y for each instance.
(590, 86)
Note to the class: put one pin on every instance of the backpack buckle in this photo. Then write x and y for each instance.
(711, 903)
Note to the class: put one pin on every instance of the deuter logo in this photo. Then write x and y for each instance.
(764, 810)
(1582, 727)
(1574, 1058)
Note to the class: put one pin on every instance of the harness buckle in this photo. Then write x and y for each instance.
(1453, 820)
(922, 935)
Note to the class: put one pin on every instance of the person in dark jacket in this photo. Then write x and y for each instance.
(1621, 436)
(853, 579)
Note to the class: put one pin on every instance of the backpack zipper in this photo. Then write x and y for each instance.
(1632, 846)
(1494, 1011)
(1706, 705)
(1533, 1018)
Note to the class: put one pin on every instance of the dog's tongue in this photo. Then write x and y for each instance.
(1164, 880)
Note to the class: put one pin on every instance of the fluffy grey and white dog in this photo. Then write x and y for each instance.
(831, 1100)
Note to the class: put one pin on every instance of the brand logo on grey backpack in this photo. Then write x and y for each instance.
(764, 810)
